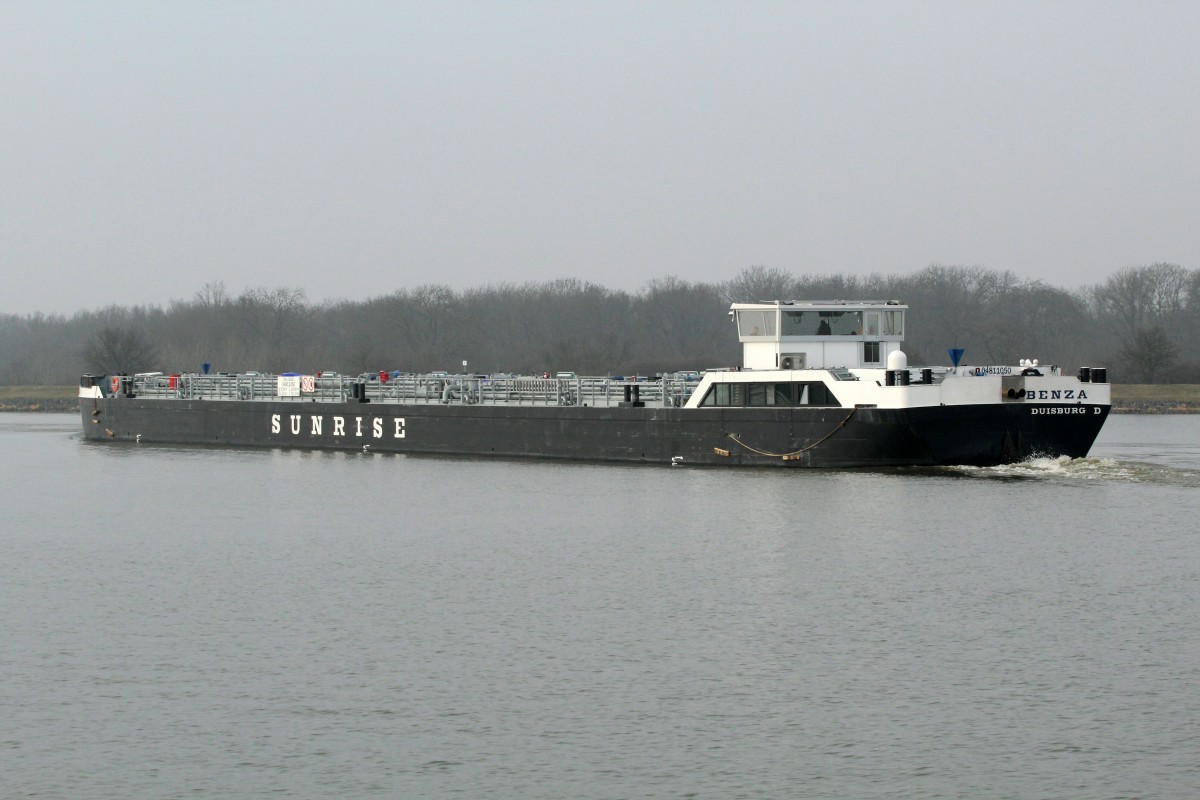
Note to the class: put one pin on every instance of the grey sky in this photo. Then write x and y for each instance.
(353, 148)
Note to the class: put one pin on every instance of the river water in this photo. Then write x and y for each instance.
(215, 623)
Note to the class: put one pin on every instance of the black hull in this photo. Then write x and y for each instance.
(978, 435)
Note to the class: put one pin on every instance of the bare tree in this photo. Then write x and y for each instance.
(431, 327)
(760, 283)
(213, 295)
(119, 349)
(1135, 297)
(273, 318)
(1149, 355)
(689, 326)
(960, 306)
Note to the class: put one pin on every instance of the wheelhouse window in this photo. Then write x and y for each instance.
(756, 322)
(893, 323)
(821, 323)
(799, 393)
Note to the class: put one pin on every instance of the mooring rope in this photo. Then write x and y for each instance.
(794, 453)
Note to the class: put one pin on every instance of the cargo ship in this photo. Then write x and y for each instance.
(823, 384)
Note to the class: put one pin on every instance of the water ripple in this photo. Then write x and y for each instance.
(216, 623)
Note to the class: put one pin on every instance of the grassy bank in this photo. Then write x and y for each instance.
(10, 393)
(1158, 392)
(38, 398)
(1156, 398)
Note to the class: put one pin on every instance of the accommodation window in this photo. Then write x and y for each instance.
(870, 352)
(800, 393)
(818, 394)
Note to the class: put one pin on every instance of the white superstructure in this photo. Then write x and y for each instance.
(848, 353)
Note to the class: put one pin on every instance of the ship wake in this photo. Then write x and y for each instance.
(1064, 468)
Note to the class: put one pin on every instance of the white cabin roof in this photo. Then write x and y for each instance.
(819, 305)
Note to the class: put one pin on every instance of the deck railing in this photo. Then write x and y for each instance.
(671, 390)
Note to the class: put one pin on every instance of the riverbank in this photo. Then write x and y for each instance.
(1156, 398)
(1165, 398)
(39, 398)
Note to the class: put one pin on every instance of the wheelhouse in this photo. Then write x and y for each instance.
(819, 334)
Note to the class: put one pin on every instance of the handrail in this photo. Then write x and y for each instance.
(413, 388)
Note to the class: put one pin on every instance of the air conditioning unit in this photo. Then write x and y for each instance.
(792, 361)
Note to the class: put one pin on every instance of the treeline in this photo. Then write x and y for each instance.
(1138, 322)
